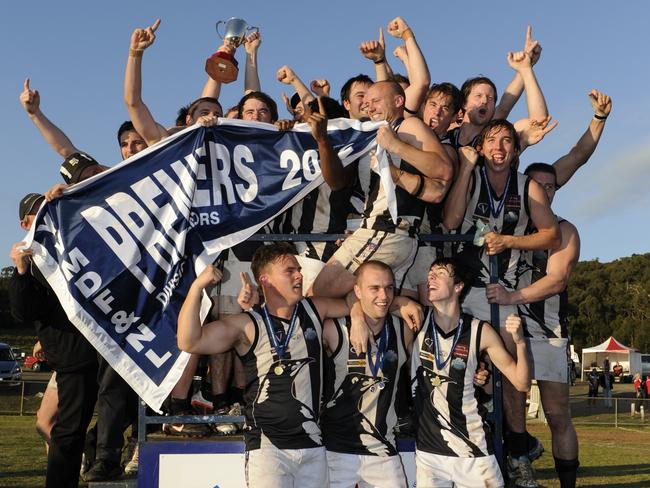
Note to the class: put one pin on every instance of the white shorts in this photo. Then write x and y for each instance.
(434, 470)
(396, 250)
(476, 304)
(550, 359)
(419, 272)
(348, 470)
(270, 467)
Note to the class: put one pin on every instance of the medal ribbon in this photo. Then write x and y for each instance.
(280, 349)
(437, 353)
(382, 346)
(493, 212)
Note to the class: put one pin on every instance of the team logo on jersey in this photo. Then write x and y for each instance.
(458, 363)
(461, 351)
(310, 334)
(483, 208)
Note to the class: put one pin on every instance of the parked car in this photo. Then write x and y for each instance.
(35, 364)
(9, 367)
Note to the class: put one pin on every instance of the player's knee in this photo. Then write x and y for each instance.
(559, 419)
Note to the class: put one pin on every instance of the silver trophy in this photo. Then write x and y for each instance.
(222, 65)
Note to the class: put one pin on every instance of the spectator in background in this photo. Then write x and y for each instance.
(593, 382)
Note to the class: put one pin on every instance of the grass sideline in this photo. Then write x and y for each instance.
(609, 457)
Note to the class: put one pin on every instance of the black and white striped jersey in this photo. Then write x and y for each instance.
(282, 396)
(450, 420)
(358, 414)
(546, 318)
(322, 211)
(512, 219)
(453, 136)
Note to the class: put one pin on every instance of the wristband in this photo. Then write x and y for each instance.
(420, 189)
(600, 117)
(409, 111)
(407, 34)
(135, 53)
(382, 60)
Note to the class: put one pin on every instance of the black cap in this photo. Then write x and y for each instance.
(27, 204)
(74, 165)
(295, 100)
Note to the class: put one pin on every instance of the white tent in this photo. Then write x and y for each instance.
(594, 357)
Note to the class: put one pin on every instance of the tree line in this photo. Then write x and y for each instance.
(604, 299)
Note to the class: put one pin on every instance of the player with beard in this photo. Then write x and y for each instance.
(453, 445)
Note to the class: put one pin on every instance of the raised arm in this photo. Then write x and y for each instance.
(416, 66)
(517, 371)
(288, 77)
(251, 77)
(456, 202)
(515, 88)
(567, 165)
(521, 62)
(31, 102)
(375, 51)
(139, 113)
(212, 88)
(561, 263)
(334, 173)
(215, 337)
(548, 232)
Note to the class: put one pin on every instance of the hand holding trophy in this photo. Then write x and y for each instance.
(222, 65)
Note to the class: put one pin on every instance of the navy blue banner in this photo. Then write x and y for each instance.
(122, 248)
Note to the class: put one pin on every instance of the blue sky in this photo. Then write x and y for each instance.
(74, 52)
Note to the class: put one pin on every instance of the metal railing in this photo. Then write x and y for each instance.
(21, 397)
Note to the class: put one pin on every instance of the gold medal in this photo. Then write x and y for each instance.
(436, 381)
(278, 370)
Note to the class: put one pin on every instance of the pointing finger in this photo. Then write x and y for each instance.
(529, 32)
(155, 25)
(26, 84)
(321, 107)
(381, 37)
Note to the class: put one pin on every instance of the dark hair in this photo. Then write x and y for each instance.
(450, 90)
(126, 126)
(472, 82)
(333, 109)
(495, 124)
(459, 273)
(347, 86)
(262, 97)
(181, 115)
(541, 168)
(401, 79)
(373, 263)
(193, 106)
(269, 254)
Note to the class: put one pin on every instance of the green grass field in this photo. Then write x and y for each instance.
(610, 457)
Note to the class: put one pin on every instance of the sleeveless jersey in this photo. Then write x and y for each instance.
(454, 139)
(513, 219)
(546, 318)
(359, 414)
(322, 211)
(282, 396)
(450, 419)
(410, 209)
(432, 223)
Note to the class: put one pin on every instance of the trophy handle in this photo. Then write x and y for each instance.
(217, 27)
(250, 30)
